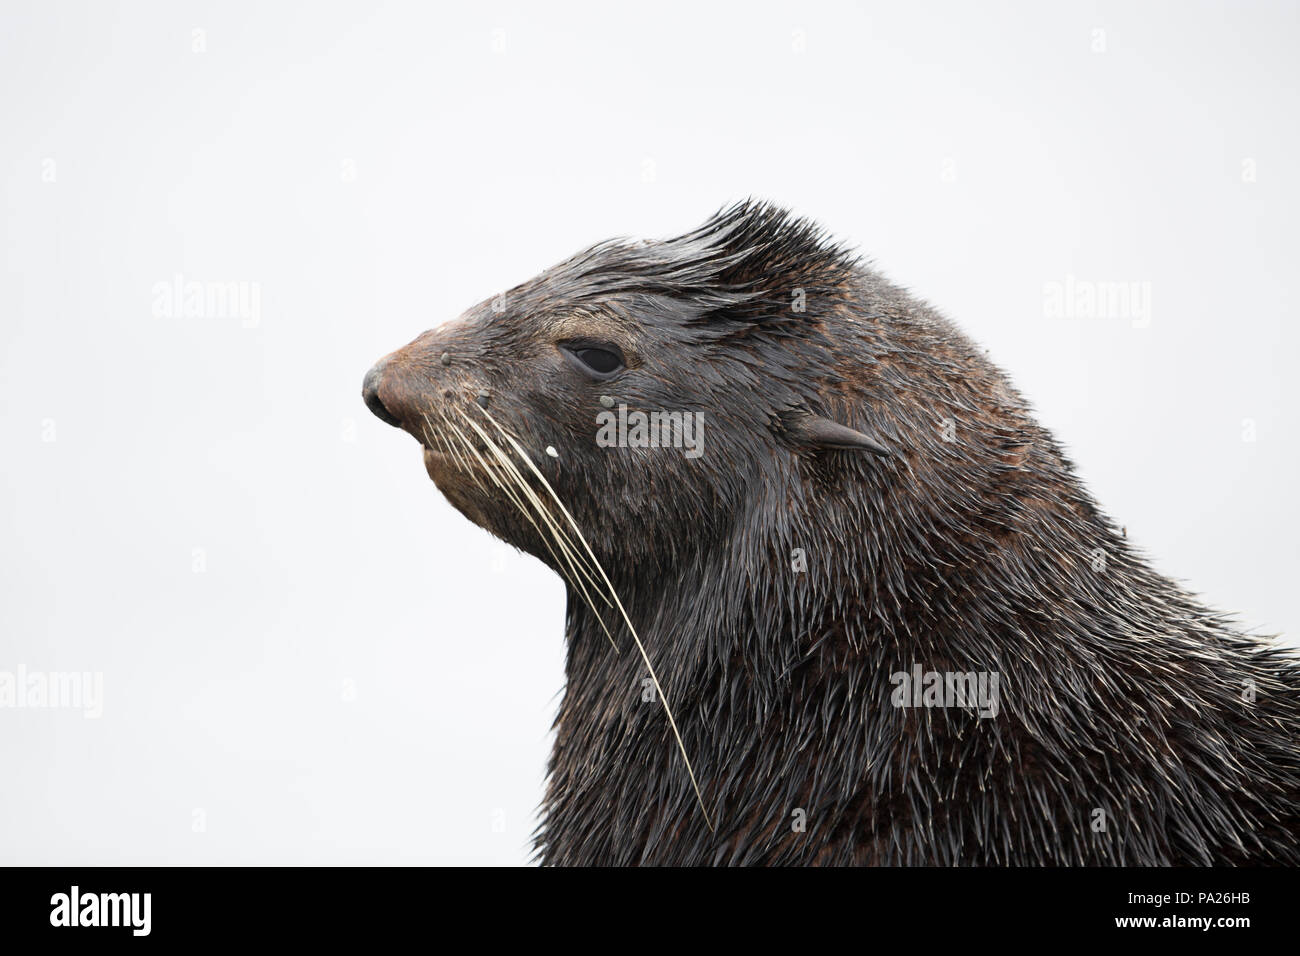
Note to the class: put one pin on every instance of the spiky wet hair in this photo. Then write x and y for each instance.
(740, 265)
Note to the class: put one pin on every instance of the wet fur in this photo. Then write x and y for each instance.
(1120, 692)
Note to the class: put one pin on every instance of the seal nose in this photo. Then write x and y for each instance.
(370, 393)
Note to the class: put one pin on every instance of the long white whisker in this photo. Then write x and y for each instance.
(639, 646)
(560, 534)
(569, 557)
(451, 449)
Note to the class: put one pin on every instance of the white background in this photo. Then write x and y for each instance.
(375, 170)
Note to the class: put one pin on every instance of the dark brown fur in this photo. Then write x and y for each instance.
(1123, 698)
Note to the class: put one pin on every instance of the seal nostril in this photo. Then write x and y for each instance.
(370, 394)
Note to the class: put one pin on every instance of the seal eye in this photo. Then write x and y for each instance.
(598, 361)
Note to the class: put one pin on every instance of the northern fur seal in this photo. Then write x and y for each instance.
(878, 619)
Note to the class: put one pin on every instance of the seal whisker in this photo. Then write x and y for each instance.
(450, 448)
(507, 463)
(559, 532)
(672, 722)
(495, 475)
(569, 555)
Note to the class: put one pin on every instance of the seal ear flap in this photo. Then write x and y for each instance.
(817, 432)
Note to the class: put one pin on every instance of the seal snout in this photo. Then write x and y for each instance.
(370, 393)
(404, 390)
